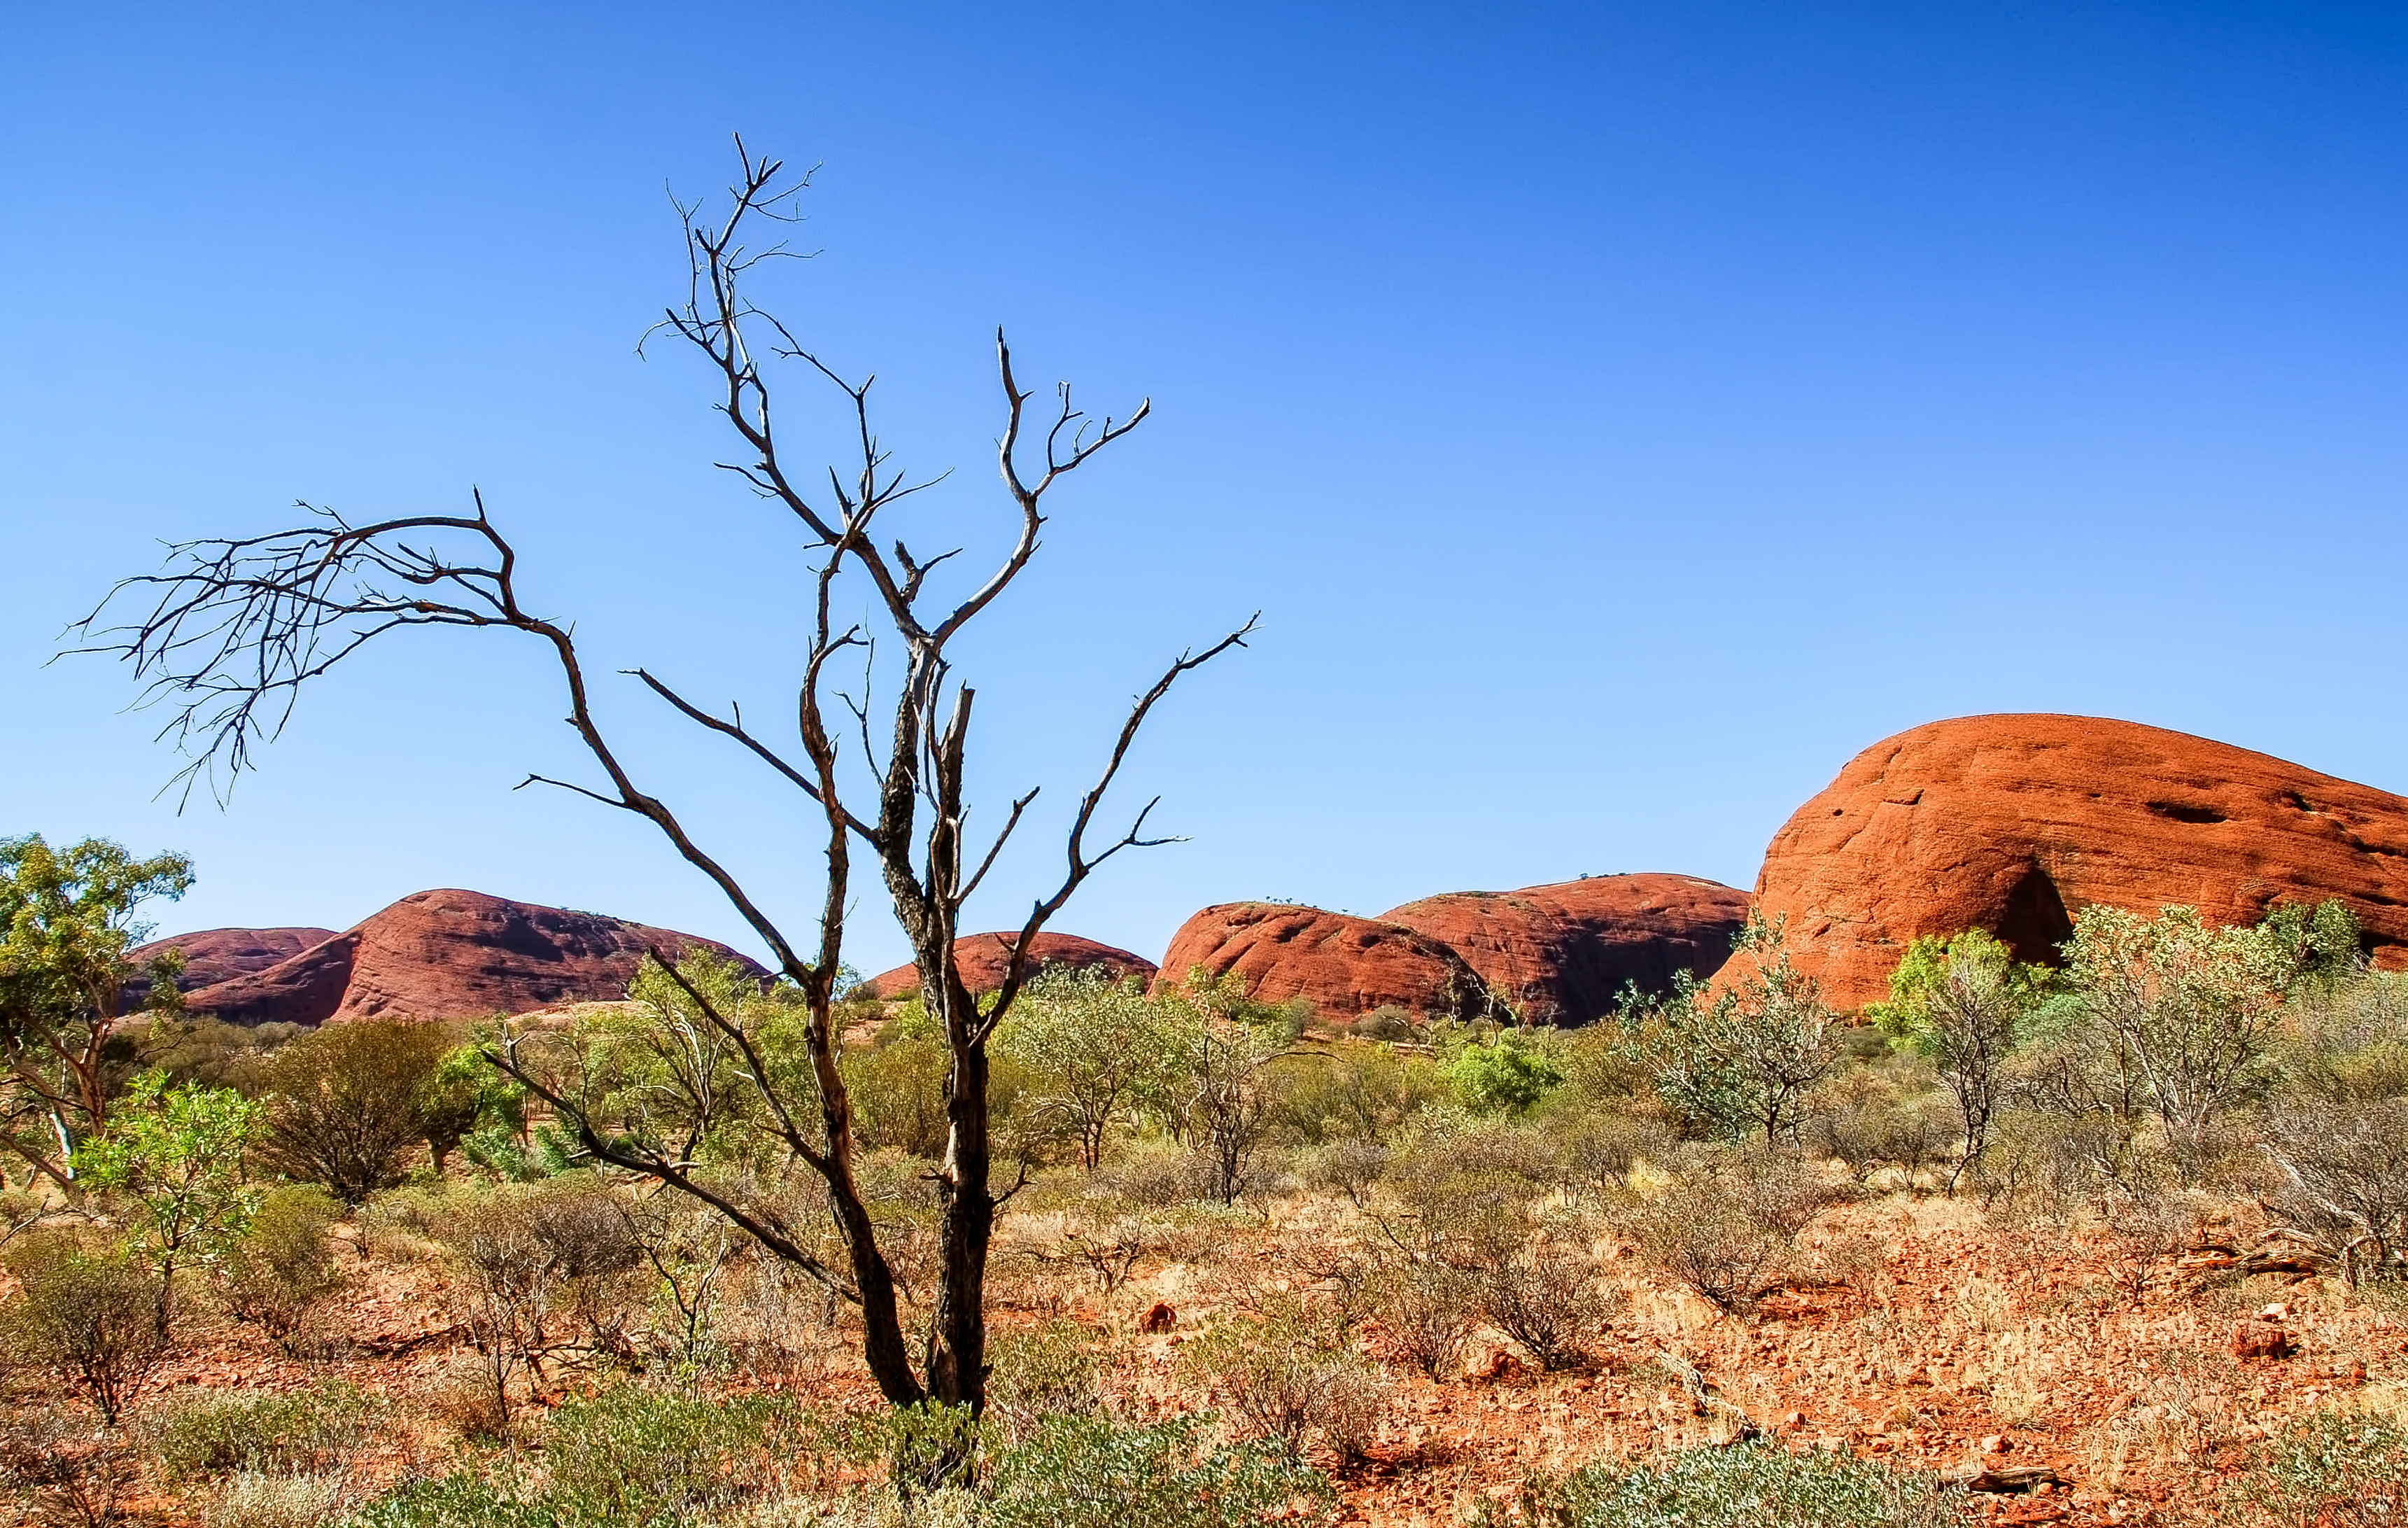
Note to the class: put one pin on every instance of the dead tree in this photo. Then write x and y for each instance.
(229, 631)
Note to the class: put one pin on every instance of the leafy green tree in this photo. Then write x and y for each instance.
(1507, 1072)
(2171, 1016)
(175, 1155)
(67, 921)
(1095, 1049)
(465, 1094)
(1740, 1057)
(1962, 1000)
(348, 1104)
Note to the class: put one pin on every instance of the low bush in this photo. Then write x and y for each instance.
(1751, 1486)
(639, 1455)
(1427, 1313)
(1055, 1371)
(87, 1316)
(254, 1500)
(1085, 1471)
(65, 1473)
(1290, 1376)
(1726, 1222)
(2331, 1471)
(300, 1433)
(460, 1500)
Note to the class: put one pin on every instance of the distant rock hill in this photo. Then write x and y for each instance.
(2015, 823)
(437, 955)
(219, 954)
(982, 957)
(1563, 953)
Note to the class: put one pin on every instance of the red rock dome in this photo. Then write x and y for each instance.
(1341, 965)
(1563, 952)
(2013, 823)
(982, 957)
(449, 954)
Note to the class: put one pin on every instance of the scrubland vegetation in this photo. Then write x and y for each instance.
(2127, 1236)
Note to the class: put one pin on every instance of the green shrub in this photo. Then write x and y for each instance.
(350, 1105)
(639, 1455)
(1758, 1486)
(280, 1269)
(455, 1501)
(1086, 1472)
(300, 1433)
(88, 1317)
(1053, 1371)
(2330, 1471)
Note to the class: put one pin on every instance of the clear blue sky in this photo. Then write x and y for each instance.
(1622, 414)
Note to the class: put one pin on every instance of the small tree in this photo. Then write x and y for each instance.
(1095, 1049)
(67, 920)
(1962, 1001)
(347, 1105)
(1742, 1055)
(174, 1154)
(1219, 1092)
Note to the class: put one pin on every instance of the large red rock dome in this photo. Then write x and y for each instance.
(982, 957)
(448, 954)
(1562, 953)
(2013, 823)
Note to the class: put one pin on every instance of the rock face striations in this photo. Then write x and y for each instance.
(1562, 953)
(2013, 823)
(982, 957)
(1343, 965)
(446, 955)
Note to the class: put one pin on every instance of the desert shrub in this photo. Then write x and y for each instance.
(281, 1269)
(1725, 1222)
(460, 1500)
(1870, 1117)
(1428, 1310)
(1962, 1003)
(299, 1433)
(2344, 1180)
(2349, 1041)
(1506, 1072)
(1543, 1293)
(898, 1094)
(87, 1316)
(67, 1473)
(253, 1500)
(641, 1455)
(1351, 1093)
(1388, 1022)
(2048, 1163)
(1598, 1150)
(2331, 1471)
(1086, 1472)
(1092, 1053)
(1055, 1371)
(1154, 1172)
(1741, 1056)
(348, 1106)
(1292, 1376)
(1751, 1486)
(533, 1258)
(1350, 1167)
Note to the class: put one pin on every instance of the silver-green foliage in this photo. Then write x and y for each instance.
(1756, 1486)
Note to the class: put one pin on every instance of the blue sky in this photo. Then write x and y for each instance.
(1621, 414)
